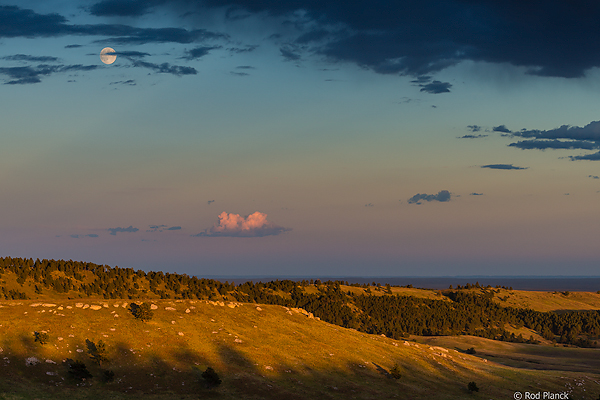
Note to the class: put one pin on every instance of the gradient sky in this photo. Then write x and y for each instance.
(300, 137)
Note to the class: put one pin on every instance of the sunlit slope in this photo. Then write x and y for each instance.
(548, 301)
(260, 352)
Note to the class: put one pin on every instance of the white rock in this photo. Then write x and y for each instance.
(95, 307)
(105, 305)
(153, 307)
(35, 305)
(116, 315)
(169, 309)
(79, 305)
(86, 306)
(31, 361)
(258, 309)
(187, 311)
(180, 333)
(69, 307)
(238, 340)
(59, 338)
(51, 362)
(116, 305)
(48, 305)
(60, 307)
(79, 350)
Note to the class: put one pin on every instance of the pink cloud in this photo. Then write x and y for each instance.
(234, 225)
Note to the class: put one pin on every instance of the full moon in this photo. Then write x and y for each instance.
(107, 58)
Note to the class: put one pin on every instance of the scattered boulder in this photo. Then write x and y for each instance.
(31, 361)
(78, 305)
(96, 307)
(153, 307)
(169, 309)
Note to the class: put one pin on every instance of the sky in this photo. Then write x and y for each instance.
(302, 137)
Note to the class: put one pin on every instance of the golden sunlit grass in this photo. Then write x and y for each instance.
(548, 301)
(260, 352)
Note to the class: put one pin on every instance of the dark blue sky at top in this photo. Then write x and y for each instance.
(550, 38)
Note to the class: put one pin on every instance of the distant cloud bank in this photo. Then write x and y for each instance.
(234, 225)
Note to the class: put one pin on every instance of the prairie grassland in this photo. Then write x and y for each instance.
(260, 352)
(548, 301)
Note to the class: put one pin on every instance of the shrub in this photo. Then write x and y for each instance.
(108, 376)
(471, 350)
(41, 337)
(78, 370)
(96, 352)
(472, 386)
(143, 312)
(395, 372)
(211, 378)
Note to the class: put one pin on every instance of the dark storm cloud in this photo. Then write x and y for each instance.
(502, 166)
(442, 196)
(30, 74)
(18, 22)
(130, 229)
(555, 144)
(199, 52)
(549, 38)
(166, 68)
(25, 57)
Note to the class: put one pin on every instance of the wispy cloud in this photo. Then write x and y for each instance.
(502, 166)
(130, 229)
(442, 196)
(91, 235)
(234, 225)
(28, 74)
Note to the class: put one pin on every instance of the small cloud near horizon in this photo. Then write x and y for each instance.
(502, 166)
(234, 225)
(442, 196)
(91, 235)
(130, 229)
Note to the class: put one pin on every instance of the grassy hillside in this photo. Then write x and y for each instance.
(260, 352)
